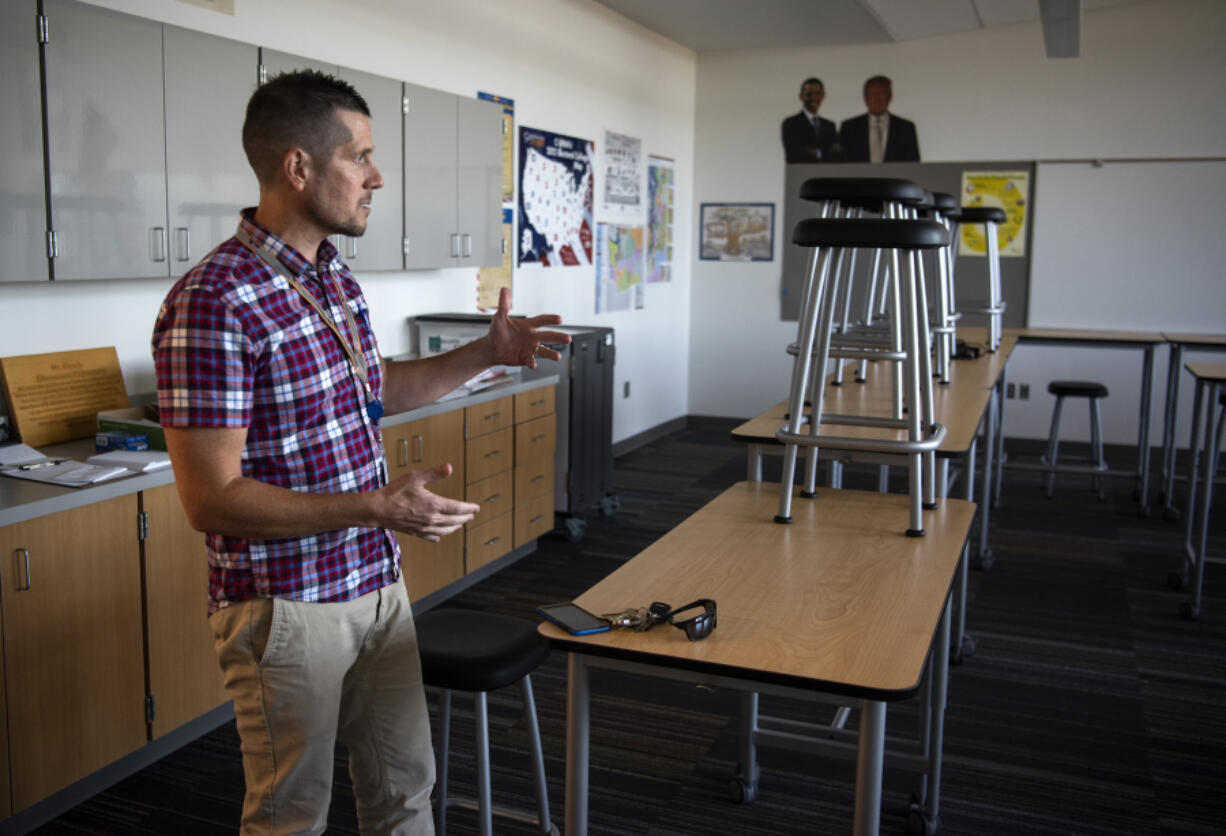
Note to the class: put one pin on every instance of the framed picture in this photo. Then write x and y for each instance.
(737, 232)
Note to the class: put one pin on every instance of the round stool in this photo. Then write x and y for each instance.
(470, 650)
(989, 217)
(902, 240)
(1095, 392)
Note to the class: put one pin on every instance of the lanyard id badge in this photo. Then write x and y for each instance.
(374, 406)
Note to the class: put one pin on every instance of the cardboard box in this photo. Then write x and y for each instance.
(137, 419)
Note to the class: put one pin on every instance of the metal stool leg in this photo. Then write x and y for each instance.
(444, 718)
(1053, 444)
(1096, 445)
(538, 756)
(484, 796)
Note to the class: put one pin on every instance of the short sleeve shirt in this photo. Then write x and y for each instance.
(236, 346)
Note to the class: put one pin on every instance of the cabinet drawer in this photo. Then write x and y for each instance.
(488, 454)
(430, 566)
(492, 494)
(535, 439)
(488, 417)
(533, 518)
(534, 404)
(533, 479)
(487, 542)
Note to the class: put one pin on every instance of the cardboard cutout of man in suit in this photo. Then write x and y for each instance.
(807, 137)
(879, 136)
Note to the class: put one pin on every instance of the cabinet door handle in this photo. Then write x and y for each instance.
(491, 541)
(538, 477)
(455, 245)
(25, 553)
(403, 447)
(493, 453)
(492, 498)
(541, 402)
(183, 243)
(493, 416)
(540, 437)
(537, 518)
(157, 239)
(468, 245)
(420, 450)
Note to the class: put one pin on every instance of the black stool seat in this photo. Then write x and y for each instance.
(981, 214)
(925, 202)
(871, 232)
(470, 650)
(861, 188)
(1077, 389)
(944, 202)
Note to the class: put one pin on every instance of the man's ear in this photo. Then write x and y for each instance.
(296, 166)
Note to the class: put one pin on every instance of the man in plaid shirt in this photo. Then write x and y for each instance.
(270, 386)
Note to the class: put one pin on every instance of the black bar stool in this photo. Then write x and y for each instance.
(475, 651)
(988, 217)
(1095, 392)
(828, 238)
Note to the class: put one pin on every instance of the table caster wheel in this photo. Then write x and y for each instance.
(740, 791)
(967, 649)
(1175, 580)
(985, 561)
(1188, 611)
(919, 824)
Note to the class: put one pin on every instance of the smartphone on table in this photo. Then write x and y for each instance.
(573, 619)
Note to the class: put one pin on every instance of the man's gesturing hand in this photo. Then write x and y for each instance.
(413, 509)
(518, 342)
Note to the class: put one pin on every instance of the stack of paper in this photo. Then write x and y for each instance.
(139, 461)
(67, 473)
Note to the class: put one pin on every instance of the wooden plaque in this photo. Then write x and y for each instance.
(56, 397)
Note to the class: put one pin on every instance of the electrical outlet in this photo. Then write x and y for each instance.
(1023, 391)
(626, 389)
(1010, 391)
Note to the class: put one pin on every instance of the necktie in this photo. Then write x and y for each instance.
(876, 150)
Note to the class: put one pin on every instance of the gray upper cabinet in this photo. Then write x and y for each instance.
(273, 63)
(208, 179)
(23, 209)
(381, 247)
(452, 180)
(106, 143)
(479, 182)
(430, 178)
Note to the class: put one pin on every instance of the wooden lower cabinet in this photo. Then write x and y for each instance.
(73, 644)
(184, 677)
(489, 541)
(420, 445)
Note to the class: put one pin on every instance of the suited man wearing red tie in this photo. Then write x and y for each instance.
(807, 137)
(879, 136)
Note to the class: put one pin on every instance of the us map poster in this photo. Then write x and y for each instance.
(659, 219)
(491, 280)
(555, 199)
(619, 268)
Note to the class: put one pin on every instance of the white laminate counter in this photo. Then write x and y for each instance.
(21, 499)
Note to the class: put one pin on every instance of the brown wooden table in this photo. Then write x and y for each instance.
(838, 605)
(1170, 417)
(1208, 410)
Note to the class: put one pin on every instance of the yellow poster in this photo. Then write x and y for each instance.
(1008, 190)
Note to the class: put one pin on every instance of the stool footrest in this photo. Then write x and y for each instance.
(465, 803)
(868, 445)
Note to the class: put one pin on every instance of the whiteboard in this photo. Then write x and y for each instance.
(1130, 245)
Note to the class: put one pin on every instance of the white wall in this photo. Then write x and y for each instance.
(571, 66)
(1147, 84)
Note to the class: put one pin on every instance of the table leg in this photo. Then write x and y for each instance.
(1147, 390)
(1170, 426)
(578, 740)
(985, 501)
(745, 782)
(753, 463)
(1214, 421)
(1000, 435)
(869, 759)
(940, 682)
(1193, 471)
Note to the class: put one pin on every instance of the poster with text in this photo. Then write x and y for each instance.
(660, 172)
(491, 280)
(555, 199)
(622, 196)
(1006, 190)
(619, 268)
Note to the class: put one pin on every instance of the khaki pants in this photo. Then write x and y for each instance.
(305, 675)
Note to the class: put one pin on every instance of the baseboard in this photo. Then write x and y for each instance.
(629, 445)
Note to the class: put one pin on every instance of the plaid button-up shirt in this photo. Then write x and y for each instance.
(236, 346)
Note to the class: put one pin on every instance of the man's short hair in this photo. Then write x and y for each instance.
(297, 110)
(883, 80)
(809, 81)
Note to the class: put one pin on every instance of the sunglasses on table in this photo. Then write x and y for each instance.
(696, 619)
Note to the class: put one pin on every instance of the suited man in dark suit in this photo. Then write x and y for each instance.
(808, 138)
(879, 136)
